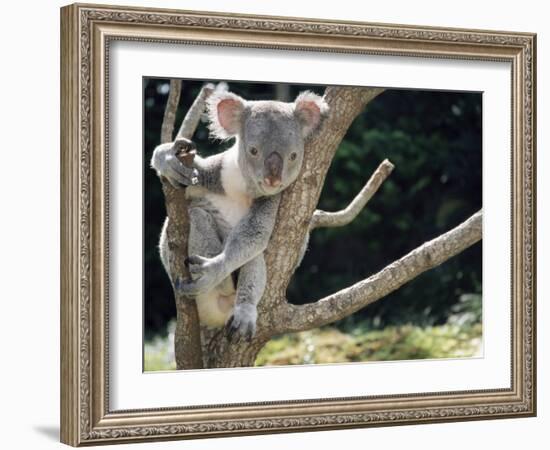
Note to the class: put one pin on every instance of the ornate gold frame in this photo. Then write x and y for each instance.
(86, 31)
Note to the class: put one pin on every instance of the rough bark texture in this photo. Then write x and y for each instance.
(169, 119)
(187, 339)
(296, 217)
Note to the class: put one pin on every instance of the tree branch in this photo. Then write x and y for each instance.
(188, 348)
(345, 216)
(351, 299)
(193, 116)
(169, 118)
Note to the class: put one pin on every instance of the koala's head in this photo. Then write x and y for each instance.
(270, 136)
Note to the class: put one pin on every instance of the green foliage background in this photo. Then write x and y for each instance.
(434, 139)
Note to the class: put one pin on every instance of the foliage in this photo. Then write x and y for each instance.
(458, 338)
(158, 352)
(393, 343)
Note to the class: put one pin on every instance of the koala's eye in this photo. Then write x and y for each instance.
(293, 156)
(253, 151)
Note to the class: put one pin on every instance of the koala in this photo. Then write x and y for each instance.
(233, 198)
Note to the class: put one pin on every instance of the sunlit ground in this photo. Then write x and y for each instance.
(330, 345)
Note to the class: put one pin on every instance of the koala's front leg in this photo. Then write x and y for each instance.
(250, 289)
(248, 239)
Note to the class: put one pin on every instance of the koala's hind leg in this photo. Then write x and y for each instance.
(203, 238)
(250, 289)
(216, 305)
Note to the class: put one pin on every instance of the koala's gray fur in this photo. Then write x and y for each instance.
(233, 201)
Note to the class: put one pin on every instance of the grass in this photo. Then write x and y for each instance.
(158, 353)
(331, 345)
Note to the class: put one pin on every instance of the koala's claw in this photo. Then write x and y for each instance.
(185, 286)
(169, 166)
(197, 266)
(239, 327)
(206, 273)
(190, 288)
(179, 174)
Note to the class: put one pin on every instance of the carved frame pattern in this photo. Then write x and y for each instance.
(86, 33)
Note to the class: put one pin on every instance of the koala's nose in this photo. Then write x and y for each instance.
(273, 169)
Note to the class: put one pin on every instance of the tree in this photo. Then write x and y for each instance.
(199, 347)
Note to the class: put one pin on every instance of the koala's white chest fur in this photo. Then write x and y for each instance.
(235, 203)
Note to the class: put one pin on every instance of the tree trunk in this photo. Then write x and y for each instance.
(297, 207)
(218, 352)
(187, 339)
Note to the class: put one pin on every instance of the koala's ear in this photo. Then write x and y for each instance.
(225, 112)
(310, 109)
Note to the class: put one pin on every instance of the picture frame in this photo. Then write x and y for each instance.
(87, 31)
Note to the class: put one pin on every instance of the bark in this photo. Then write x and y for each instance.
(169, 119)
(282, 92)
(297, 216)
(187, 339)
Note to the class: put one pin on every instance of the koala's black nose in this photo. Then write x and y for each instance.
(273, 169)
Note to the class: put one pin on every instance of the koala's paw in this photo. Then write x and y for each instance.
(206, 274)
(168, 165)
(179, 175)
(242, 323)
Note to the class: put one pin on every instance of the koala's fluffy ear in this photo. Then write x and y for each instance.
(225, 112)
(310, 109)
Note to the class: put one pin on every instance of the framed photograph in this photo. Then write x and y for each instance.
(281, 224)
